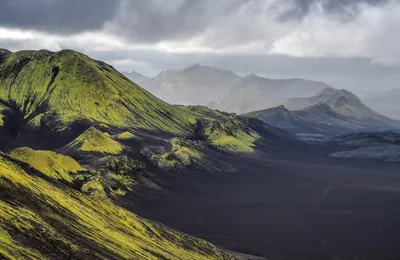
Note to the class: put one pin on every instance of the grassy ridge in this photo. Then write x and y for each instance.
(68, 86)
(93, 140)
(57, 90)
(56, 166)
(42, 220)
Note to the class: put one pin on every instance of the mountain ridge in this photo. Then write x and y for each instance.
(329, 111)
(221, 89)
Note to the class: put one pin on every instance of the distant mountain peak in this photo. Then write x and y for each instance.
(194, 65)
(252, 75)
(319, 106)
(136, 77)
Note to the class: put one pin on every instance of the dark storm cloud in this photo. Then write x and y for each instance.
(149, 21)
(56, 16)
(298, 9)
(156, 20)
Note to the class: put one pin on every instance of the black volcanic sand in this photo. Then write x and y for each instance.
(299, 205)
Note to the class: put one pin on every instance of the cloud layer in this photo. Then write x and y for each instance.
(284, 37)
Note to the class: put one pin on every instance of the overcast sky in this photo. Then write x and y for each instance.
(347, 43)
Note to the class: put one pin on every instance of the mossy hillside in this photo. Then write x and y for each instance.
(95, 188)
(230, 135)
(69, 87)
(119, 174)
(2, 109)
(182, 152)
(223, 130)
(93, 140)
(126, 136)
(203, 112)
(56, 166)
(41, 220)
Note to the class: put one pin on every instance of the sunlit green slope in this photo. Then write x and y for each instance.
(42, 219)
(65, 87)
(49, 91)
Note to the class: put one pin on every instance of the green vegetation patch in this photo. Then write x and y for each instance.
(40, 220)
(72, 88)
(119, 174)
(182, 153)
(231, 135)
(93, 140)
(126, 136)
(56, 166)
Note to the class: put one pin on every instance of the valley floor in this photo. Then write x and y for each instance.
(304, 206)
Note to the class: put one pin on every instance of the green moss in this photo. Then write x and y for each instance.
(119, 174)
(185, 151)
(36, 122)
(40, 220)
(182, 153)
(54, 165)
(94, 188)
(231, 135)
(74, 88)
(93, 140)
(126, 136)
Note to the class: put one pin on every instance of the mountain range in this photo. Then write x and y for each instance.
(224, 90)
(330, 111)
(84, 150)
(77, 137)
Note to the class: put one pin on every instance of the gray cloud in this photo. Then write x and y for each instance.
(298, 9)
(157, 20)
(56, 16)
(356, 74)
(342, 53)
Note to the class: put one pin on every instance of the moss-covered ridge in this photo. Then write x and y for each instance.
(93, 140)
(231, 135)
(47, 220)
(67, 90)
(56, 166)
(66, 87)
(180, 153)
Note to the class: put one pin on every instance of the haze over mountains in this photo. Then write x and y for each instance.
(330, 111)
(301, 105)
(83, 149)
(224, 90)
(385, 102)
(76, 137)
(227, 91)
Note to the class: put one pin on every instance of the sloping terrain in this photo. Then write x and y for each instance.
(253, 92)
(341, 101)
(328, 112)
(384, 102)
(82, 137)
(53, 165)
(382, 146)
(56, 90)
(194, 85)
(43, 219)
(93, 140)
(224, 90)
(136, 77)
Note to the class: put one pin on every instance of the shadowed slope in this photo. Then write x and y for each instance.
(42, 220)
(54, 165)
(93, 140)
(69, 87)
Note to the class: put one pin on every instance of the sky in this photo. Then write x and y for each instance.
(352, 44)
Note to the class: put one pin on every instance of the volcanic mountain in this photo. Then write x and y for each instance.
(224, 90)
(330, 111)
(77, 137)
